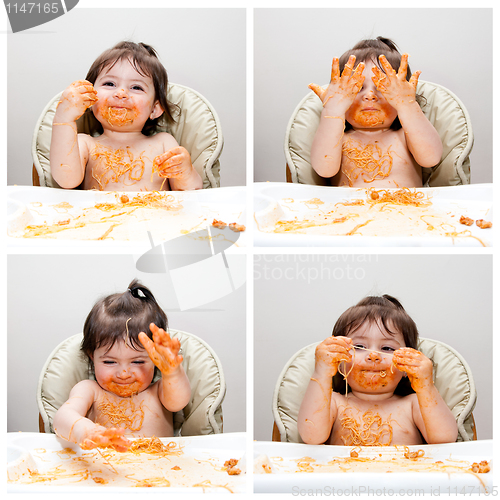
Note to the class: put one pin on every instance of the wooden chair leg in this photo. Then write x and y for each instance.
(36, 178)
(288, 174)
(41, 426)
(276, 433)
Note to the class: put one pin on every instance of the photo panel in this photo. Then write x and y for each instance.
(297, 301)
(92, 294)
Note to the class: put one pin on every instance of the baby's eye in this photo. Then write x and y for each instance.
(108, 362)
(388, 349)
(137, 87)
(359, 346)
(108, 84)
(140, 362)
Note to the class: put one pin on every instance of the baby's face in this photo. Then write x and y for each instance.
(370, 110)
(122, 370)
(126, 99)
(373, 372)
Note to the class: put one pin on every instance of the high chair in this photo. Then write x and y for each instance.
(197, 128)
(442, 108)
(67, 365)
(452, 378)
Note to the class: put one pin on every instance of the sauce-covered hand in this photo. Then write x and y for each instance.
(163, 350)
(416, 365)
(394, 86)
(75, 99)
(330, 353)
(101, 437)
(174, 164)
(343, 88)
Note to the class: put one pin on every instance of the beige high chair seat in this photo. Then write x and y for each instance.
(67, 365)
(443, 109)
(452, 378)
(197, 128)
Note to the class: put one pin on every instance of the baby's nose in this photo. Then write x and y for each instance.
(374, 356)
(370, 95)
(120, 92)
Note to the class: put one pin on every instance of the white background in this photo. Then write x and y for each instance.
(200, 48)
(295, 47)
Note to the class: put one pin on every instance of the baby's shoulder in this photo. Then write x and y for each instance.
(86, 388)
(164, 138)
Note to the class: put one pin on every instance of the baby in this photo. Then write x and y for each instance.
(374, 342)
(122, 399)
(126, 89)
(372, 129)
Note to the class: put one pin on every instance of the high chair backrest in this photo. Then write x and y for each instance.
(443, 109)
(67, 365)
(452, 378)
(197, 128)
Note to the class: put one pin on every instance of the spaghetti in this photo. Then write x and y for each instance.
(124, 413)
(373, 431)
(116, 165)
(367, 162)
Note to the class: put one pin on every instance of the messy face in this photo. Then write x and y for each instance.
(371, 370)
(122, 370)
(370, 110)
(126, 98)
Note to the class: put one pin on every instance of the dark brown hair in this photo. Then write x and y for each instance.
(388, 313)
(145, 61)
(122, 316)
(370, 50)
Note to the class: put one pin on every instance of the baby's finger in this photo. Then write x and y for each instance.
(319, 91)
(403, 67)
(346, 73)
(414, 79)
(335, 74)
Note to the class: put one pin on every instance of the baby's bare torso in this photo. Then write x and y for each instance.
(365, 423)
(377, 159)
(141, 415)
(124, 167)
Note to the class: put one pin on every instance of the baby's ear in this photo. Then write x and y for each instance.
(157, 111)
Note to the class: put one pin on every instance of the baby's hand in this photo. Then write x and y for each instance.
(163, 350)
(394, 86)
(343, 88)
(417, 366)
(173, 164)
(101, 437)
(79, 96)
(330, 353)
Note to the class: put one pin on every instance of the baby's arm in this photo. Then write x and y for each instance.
(175, 165)
(71, 423)
(318, 410)
(422, 138)
(326, 150)
(432, 415)
(68, 150)
(174, 389)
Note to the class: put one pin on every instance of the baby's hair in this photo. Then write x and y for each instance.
(122, 316)
(389, 315)
(145, 61)
(370, 50)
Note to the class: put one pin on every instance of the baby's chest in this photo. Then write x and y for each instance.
(133, 414)
(130, 167)
(365, 152)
